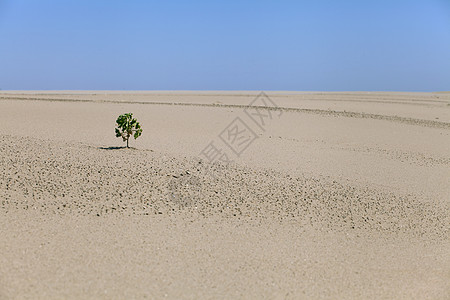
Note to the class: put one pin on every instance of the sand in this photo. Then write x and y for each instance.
(335, 195)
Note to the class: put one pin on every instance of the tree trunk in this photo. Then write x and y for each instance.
(127, 142)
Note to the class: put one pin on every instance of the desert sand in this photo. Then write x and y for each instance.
(329, 195)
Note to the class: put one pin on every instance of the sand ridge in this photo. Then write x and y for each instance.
(55, 179)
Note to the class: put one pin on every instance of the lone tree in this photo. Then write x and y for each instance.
(127, 126)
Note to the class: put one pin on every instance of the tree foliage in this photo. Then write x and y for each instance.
(127, 126)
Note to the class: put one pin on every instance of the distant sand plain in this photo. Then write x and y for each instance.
(323, 195)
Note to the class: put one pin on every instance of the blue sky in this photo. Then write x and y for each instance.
(322, 45)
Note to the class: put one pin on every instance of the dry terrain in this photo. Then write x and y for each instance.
(225, 195)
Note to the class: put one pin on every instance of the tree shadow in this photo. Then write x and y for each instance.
(115, 148)
(122, 148)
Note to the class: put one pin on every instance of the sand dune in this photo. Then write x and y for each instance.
(339, 195)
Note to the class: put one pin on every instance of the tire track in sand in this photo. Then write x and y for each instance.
(333, 113)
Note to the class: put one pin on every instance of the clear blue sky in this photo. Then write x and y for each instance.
(326, 45)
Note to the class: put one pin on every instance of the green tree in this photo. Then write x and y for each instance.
(127, 126)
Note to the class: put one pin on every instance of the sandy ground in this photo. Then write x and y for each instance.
(324, 195)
